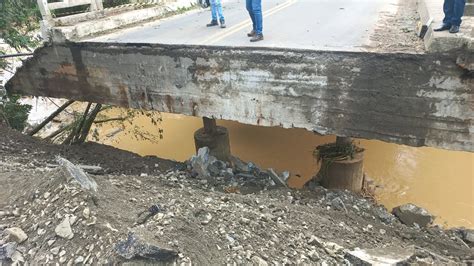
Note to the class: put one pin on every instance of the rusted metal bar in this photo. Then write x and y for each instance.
(210, 125)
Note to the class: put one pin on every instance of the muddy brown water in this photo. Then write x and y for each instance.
(439, 180)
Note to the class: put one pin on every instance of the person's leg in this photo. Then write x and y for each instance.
(258, 16)
(214, 10)
(249, 9)
(213, 14)
(448, 7)
(219, 11)
(458, 12)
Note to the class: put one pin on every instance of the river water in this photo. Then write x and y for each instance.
(439, 180)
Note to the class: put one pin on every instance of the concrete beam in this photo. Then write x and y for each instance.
(418, 100)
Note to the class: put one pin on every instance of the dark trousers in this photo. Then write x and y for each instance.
(453, 11)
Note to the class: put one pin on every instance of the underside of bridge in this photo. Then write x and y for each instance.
(413, 99)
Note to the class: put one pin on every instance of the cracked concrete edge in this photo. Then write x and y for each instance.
(61, 34)
(431, 15)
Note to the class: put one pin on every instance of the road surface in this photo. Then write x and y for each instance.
(306, 24)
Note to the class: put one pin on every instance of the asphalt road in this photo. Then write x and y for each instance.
(307, 24)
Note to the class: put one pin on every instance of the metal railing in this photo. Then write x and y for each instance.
(46, 8)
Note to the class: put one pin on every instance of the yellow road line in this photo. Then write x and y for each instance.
(246, 23)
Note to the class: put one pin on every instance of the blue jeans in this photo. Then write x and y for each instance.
(453, 11)
(216, 10)
(254, 7)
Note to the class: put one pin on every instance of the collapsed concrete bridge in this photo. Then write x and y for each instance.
(413, 99)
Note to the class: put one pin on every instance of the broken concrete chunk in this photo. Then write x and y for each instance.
(411, 214)
(7, 250)
(64, 229)
(134, 248)
(276, 178)
(380, 256)
(201, 162)
(78, 174)
(16, 234)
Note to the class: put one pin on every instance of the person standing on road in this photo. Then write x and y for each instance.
(254, 7)
(216, 10)
(453, 11)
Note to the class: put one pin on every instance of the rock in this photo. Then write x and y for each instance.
(201, 162)
(16, 234)
(380, 256)
(313, 255)
(204, 216)
(86, 213)
(468, 236)
(78, 174)
(51, 242)
(78, 260)
(257, 261)
(17, 258)
(7, 250)
(411, 214)
(62, 253)
(135, 248)
(64, 229)
(276, 178)
(55, 251)
(62, 260)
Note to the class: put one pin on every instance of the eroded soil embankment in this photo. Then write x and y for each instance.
(203, 225)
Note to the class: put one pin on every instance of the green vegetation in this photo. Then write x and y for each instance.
(18, 18)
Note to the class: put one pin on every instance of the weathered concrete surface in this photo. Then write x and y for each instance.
(404, 98)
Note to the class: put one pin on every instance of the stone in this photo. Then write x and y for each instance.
(380, 256)
(55, 251)
(257, 261)
(468, 236)
(62, 260)
(16, 234)
(64, 229)
(201, 162)
(313, 255)
(79, 259)
(276, 178)
(51, 242)
(62, 253)
(204, 216)
(17, 258)
(78, 174)
(7, 250)
(411, 214)
(133, 247)
(86, 213)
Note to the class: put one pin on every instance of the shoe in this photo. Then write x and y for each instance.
(213, 23)
(223, 24)
(251, 34)
(443, 27)
(257, 37)
(454, 29)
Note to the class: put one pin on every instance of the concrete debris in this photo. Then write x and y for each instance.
(7, 250)
(78, 174)
(64, 229)
(205, 166)
(257, 261)
(411, 214)
(16, 234)
(380, 256)
(134, 248)
(276, 178)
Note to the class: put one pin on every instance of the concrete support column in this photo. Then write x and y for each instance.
(344, 173)
(214, 137)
